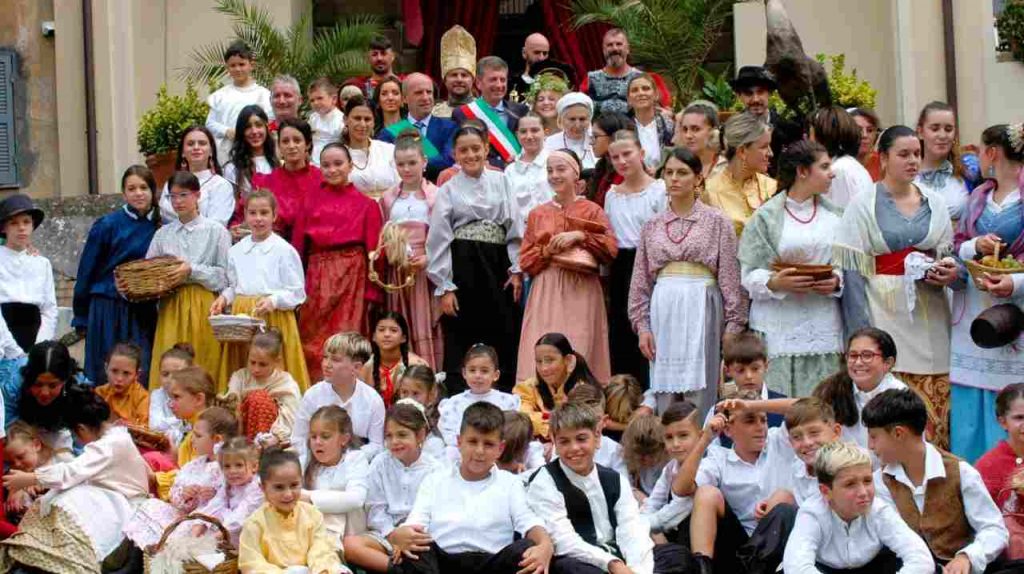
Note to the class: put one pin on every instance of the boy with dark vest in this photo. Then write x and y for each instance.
(589, 510)
(939, 496)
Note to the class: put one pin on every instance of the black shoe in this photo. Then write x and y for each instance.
(704, 564)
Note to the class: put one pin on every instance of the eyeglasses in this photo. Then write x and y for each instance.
(864, 356)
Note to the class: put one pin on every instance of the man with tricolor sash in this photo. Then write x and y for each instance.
(418, 91)
(500, 116)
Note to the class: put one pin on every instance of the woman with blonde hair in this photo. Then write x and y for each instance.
(743, 185)
(543, 98)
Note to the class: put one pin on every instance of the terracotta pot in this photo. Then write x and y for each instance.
(997, 326)
(724, 117)
(162, 166)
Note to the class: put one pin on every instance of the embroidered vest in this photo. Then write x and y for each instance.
(943, 524)
(578, 507)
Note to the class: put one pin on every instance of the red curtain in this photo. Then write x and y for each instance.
(580, 48)
(478, 18)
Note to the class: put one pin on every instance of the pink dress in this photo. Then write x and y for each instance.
(233, 504)
(417, 303)
(153, 516)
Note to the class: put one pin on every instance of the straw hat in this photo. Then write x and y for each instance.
(458, 50)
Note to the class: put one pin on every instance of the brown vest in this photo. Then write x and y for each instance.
(943, 525)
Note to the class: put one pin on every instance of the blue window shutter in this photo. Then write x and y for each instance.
(8, 157)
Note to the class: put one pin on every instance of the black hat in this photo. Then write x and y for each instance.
(750, 76)
(17, 204)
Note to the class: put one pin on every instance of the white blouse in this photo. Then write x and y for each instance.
(201, 242)
(582, 148)
(339, 492)
(26, 278)
(326, 129)
(392, 490)
(259, 164)
(529, 183)
(216, 199)
(851, 178)
(954, 192)
(858, 433)
(270, 267)
(452, 409)
(798, 323)
(409, 208)
(374, 173)
(110, 462)
(649, 141)
(628, 212)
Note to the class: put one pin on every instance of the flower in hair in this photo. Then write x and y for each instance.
(1015, 133)
(414, 403)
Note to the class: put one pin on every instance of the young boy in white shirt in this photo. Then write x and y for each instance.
(609, 452)
(939, 496)
(466, 516)
(845, 529)
(595, 524)
(727, 533)
(326, 120)
(228, 101)
(344, 355)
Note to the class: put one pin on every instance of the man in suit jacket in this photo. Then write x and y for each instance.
(418, 90)
(492, 83)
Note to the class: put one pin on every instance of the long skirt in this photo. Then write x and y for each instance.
(797, 375)
(235, 356)
(973, 427)
(185, 317)
(335, 302)
(112, 321)
(934, 389)
(572, 304)
(624, 343)
(487, 314)
(423, 313)
(687, 322)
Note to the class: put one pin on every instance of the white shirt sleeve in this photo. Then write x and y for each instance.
(9, 348)
(377, 517)
(755, 281)
(523, 516)
(293, 280)
(423, 507)
(220, 206)
(990, 533)
(903, 541)
(48, 309)
(93, 460)
(969, 249)
(800, 555)
(213, 120)
(548, 502)
(709, 473)
(632, 532)
(300, 432)
(350, 496)
(377, 424)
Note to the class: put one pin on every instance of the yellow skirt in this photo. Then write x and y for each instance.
(235, 356)
(184, 318)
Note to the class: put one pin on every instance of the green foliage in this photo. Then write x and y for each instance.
(1011, 29)
(338, 52)
(162, 125)
(717, 89)
(848, 90)
(670, 37)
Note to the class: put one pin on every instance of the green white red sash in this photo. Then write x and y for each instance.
(502, 139)
(428, 147)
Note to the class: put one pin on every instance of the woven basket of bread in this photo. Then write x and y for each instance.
(235, 328)
(148, 279)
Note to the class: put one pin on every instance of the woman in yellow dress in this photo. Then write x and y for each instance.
(743, 185)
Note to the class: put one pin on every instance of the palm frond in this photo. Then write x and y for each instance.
(207, 64)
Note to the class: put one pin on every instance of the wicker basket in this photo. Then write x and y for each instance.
(228, 566)
(977, 270)
(147, 279)
(146, 438)
(235, 328)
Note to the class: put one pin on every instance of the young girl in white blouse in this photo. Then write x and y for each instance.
(394, 479)
(847, 529)
(528, 174)
(197, 154)
(28, 299)
(334, 480)
(480, 370)
(266, 281)
(201, 245)
(239, 494)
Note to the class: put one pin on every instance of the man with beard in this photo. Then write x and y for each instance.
(754, 87)
(285, 98)
(382, 60)
(500, 116)
(536, 50)
(418, 91)
(458, 63)
(607, 86)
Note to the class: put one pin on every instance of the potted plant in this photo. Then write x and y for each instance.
(161, 127)
(848, 90)
(718, 91)
(1010, 25)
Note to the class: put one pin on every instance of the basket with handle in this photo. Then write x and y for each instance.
(235, 328)
(228, 566)
(977, 269)
(147, 279)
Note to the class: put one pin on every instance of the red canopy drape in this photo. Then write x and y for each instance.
(580, 48)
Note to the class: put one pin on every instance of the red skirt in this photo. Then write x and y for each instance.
(335, 301)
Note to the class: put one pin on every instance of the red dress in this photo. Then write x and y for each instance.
(334, 230)
(289, 187)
